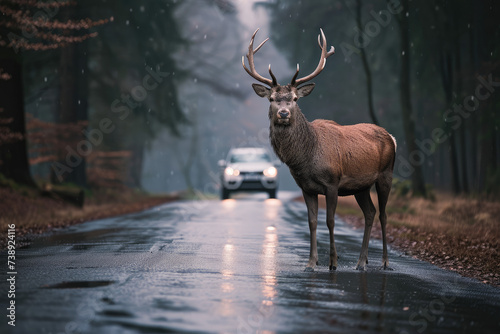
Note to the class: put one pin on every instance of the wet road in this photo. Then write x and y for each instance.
(235, 266)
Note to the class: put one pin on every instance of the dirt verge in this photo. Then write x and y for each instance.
(454, 233)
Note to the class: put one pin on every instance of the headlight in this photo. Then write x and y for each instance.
(231, 172)
(270, 172)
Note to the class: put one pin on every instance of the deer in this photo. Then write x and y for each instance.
(325, 157)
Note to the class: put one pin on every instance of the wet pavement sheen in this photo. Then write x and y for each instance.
(233, 266)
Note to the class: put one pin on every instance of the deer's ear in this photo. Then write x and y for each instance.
(260, 90)
(305, 90)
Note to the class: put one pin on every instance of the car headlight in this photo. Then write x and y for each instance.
(270, 172)
(231, 171)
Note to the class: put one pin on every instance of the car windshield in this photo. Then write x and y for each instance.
(250, 157)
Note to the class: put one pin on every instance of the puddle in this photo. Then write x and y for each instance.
(78, 285)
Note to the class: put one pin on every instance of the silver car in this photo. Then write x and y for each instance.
(248, 169)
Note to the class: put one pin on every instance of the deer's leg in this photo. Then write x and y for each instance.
(331, 206)
(383, 186)
(369, 211)
(312, 215)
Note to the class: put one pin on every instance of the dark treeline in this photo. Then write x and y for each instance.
(88, 88)
(425, 70)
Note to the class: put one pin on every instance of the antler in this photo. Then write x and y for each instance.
(252, 72)
(321, 65)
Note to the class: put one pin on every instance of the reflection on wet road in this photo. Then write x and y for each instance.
(234, 266)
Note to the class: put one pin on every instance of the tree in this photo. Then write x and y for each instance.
(28, 26)
(366, 68)
(408, 116)
(137, 90)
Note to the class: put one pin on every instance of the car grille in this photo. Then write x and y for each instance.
(251, 173)
(251, 185)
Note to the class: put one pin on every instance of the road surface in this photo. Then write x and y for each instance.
(233, 266)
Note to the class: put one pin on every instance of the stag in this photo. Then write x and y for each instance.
(325, 157)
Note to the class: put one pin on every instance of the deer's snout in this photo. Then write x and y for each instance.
(283, 113)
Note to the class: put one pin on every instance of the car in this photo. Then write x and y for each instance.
(248, 169)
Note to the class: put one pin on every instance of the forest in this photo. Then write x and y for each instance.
(150, 94)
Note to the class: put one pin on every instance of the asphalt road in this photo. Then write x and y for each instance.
(234, 266)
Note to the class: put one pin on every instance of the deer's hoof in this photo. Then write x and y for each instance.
(361, 268)
(332, 268)
(309, 269)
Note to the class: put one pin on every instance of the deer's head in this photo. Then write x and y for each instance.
(283, 99)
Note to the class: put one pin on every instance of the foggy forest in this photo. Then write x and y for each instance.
(150, 95)
(141, 186)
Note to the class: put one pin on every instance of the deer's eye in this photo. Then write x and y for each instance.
(295, 99)
(271, 99)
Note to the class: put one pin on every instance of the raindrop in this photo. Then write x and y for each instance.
(437, 8)
(83, 70)
(141, 9)
(195, 80)
(237, 85)
(131, 10)
(171, 172)
(205, 36)
(468, 25)
(79, 102)
(45, 79)
(407, 14)
(403, 53)
(127, 22)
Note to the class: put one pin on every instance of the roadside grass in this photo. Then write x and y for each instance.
(457, 233)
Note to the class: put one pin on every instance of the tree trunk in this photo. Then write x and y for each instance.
(418, 183)
(73, 98)
(459, 91)
(366, 68)
(446, 68)
(454, 164)
(14, 155)
(136, 164)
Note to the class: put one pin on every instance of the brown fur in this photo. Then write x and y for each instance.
(331, 159)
